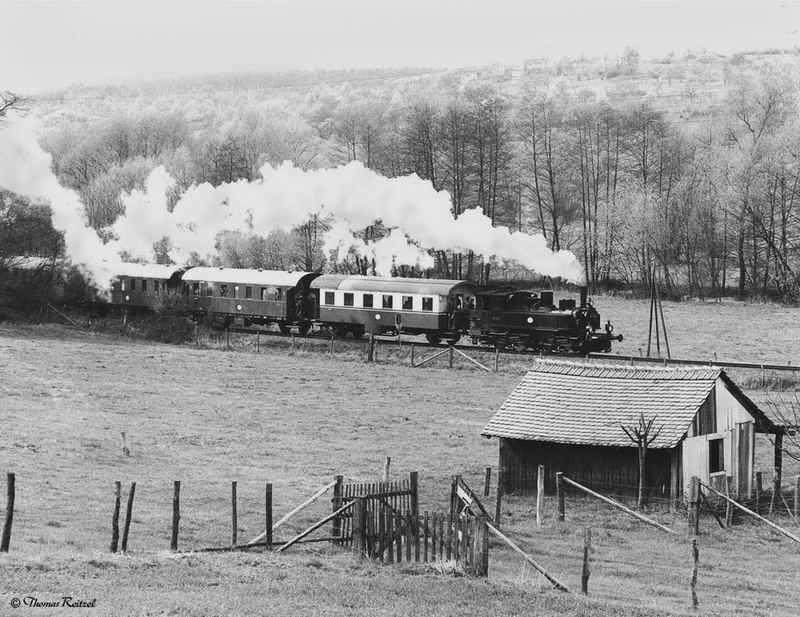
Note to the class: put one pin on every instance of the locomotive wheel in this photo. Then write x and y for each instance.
(452, 340)
(433, 339)
(341, 331)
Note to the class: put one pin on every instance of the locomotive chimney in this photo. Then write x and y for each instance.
(584, 294)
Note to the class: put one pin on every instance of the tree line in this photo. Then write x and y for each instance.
(704, 201)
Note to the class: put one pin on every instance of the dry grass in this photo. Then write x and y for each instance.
(208, 416)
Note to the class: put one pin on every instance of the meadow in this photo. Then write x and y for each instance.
(206, 416)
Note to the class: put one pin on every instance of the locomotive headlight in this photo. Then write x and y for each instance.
(127, 298)
(529, 320)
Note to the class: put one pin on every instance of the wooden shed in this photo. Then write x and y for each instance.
(569, 416)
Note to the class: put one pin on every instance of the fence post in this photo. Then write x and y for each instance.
(560, 494)
(797, 496)
(488, 483)
(776, 488)
(728, 506)
(258, 341)
(539, 495)
(412, 355)
(234, 517)
(128, 515)
(386, 467)
(371, 349)
(115, 518)
(499, 494)
(176, 515)
(587, 549)
(9, 513)
(414, 481)
(694, 506)
(359, 525)
(450, 361)
(482, 544)
(695, 567)
(496, 359)
(759, 490)
(336, 531)
(268, 514)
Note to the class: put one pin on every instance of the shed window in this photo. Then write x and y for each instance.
(388, 301)
(329, 297)
(427, 304)
(716, 455)
(223, 291)
(144, 284)
(367, 302)
(248, 292)
(133, 284)
(348, 299)
(408, 303)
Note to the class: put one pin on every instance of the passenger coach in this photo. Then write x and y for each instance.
(359, 304)
(245, 297)
(140, 286)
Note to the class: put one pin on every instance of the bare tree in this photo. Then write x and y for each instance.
(10, 100)
(640, 434)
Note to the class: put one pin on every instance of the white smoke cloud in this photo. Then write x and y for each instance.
(26, 169)
(286, 196)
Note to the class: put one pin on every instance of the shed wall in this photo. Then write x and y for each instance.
(608, 470)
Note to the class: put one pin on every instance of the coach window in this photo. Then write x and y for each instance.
(223, 291)
(155, 286)
(236, 292)
(388, 301)
(196, 288)
(367, 301)
(278, 293)
(348, 299)
(248, 292)
(122, 285)
(329, 297)
(133, 284)
(427, 304)
(264, 294)
(408, 303)
(209, 289)
(144, 284)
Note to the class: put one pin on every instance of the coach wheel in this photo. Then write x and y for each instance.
(433, 339)
(340, 331)
(284, 328)
(304, 327)
(452, 340)
(358, 331)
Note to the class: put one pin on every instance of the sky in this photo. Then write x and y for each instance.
(47, 45)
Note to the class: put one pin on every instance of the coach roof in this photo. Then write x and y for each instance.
(279, 278)
(146, 271)
(343, 282)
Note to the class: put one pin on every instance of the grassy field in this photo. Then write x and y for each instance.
(209, 416)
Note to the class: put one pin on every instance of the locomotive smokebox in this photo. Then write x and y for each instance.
(584, 294)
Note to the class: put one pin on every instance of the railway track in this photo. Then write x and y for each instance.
(386, 340)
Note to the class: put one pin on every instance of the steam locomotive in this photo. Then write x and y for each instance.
(441, 310)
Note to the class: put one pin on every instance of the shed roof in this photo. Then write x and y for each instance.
(244, 276)
(587, 404)
(389, 284)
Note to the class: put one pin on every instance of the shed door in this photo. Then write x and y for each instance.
(695, 460)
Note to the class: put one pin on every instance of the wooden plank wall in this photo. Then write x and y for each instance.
(607, 470)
